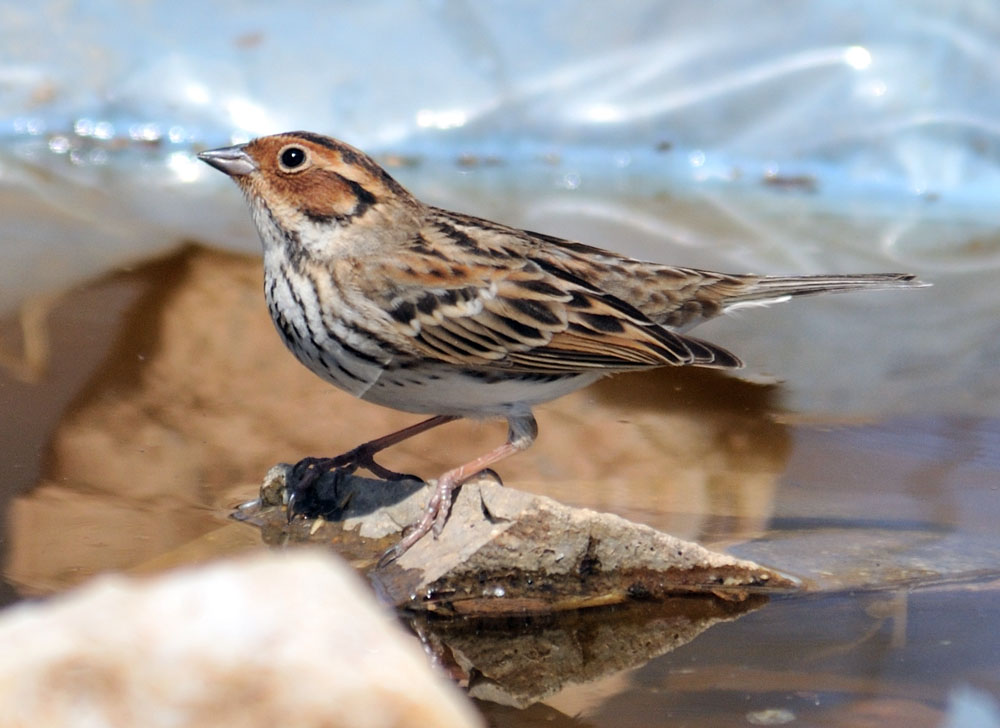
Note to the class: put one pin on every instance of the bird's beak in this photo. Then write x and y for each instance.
(234, 160)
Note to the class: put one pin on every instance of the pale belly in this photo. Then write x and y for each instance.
(440, 389)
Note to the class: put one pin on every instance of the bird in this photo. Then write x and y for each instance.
(440, 313)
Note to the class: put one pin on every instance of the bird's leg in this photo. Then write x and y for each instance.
(308, 470)
(363, 456)
(522, 431)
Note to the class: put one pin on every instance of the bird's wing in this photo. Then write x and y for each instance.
(680, 298)
(470, 301)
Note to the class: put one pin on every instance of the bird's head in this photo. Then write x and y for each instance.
(313, 185)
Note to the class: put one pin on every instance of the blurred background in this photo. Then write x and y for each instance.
(145, 392)
(777, 137)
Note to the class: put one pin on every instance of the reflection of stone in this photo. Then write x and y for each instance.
(519, 663)
(684, 449)
(286, 639)
(33, 360)
(504, 551)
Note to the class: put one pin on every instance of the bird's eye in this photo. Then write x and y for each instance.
(292, 157)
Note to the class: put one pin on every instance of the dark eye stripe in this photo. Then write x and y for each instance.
(364, 199)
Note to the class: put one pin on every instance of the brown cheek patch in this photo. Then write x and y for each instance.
(324, 196)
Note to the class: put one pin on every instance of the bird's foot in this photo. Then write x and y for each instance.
(311, 495)
(435, 514)
(304, 496)
(434, 518)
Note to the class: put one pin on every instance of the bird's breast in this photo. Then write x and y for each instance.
(305, 312)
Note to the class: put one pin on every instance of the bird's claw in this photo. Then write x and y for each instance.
(307, 472)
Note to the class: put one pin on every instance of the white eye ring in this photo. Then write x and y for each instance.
(293, 158)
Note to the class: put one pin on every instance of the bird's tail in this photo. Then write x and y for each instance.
(718, 293)
(765, 290)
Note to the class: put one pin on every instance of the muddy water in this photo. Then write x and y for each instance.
(140, 408)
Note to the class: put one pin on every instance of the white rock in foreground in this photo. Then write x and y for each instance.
(278, 639)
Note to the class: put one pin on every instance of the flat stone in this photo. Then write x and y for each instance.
(504, 551)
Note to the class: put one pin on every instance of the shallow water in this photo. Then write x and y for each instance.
(143, 406)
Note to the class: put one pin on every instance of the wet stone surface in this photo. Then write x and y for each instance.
(502, 551)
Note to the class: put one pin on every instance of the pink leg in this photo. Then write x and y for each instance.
(522, 431)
